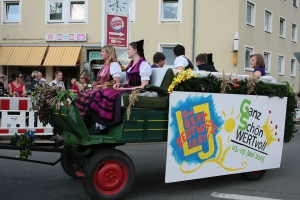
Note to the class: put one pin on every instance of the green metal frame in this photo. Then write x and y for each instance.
(144, 125)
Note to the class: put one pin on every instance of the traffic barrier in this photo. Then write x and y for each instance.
(17, 117)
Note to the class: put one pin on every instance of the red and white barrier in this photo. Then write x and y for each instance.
(18, 118)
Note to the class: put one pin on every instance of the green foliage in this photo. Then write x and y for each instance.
(25, 140)
(212, 84)
(44, 98)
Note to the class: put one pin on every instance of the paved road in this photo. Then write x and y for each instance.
(20, 180)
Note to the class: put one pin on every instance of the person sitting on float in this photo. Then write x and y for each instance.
(257, 62)
(108, 109)
(111, 70)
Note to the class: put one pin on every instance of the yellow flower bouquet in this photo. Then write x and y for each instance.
(181, 77)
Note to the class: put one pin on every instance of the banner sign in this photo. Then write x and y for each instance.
(116, 30)
(218, 134)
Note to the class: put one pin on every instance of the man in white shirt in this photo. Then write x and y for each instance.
(181, 62)
(58, 80)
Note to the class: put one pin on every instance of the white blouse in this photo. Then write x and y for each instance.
(145, 71)
(115, 69)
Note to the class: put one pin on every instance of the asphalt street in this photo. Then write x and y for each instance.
(29, 181)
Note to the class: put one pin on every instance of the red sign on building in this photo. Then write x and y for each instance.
(116, 31)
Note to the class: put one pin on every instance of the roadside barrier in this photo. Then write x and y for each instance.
(16, 117)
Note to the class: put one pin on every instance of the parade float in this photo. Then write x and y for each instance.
(213, 124)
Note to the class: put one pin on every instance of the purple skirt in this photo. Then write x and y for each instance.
(84, 100)
(107, 106)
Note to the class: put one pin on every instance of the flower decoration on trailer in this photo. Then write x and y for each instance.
(181, 77)
(25, 140)
(44, 98)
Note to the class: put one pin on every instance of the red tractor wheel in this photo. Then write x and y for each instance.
(253, 176)
(108, 175)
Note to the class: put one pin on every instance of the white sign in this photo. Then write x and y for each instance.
(218, 134)
(65, 37)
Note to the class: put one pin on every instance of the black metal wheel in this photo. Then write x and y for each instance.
(68, 165)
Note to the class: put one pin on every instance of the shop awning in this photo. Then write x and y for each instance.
(5, 53)
(22, 56)
(62, 56)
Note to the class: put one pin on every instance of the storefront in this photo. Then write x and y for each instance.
(46, 59)
(96, 62)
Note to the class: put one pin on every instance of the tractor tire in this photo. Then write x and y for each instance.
(253, 176)
(108, 175)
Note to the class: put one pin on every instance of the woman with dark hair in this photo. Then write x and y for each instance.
(107, 102)
(16, 88)
(257, 62)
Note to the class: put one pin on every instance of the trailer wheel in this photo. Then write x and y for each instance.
(253, 176)
(108, 175)
(68, 165)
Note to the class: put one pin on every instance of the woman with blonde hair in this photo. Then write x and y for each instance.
(107, 102)
(36, 75)
(111, 70)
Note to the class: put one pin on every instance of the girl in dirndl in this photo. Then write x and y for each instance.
(107, 102)
(111, 70)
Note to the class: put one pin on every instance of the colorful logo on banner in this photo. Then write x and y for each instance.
(117, 23)
(198, 133)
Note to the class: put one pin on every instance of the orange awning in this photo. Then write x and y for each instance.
(62, 56)
(22, 56)
(5, 53)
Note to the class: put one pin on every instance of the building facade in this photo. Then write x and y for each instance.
(49, 35)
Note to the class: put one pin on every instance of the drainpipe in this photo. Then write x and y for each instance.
(194, 30)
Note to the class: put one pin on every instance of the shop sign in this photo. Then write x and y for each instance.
(95, 55)
(116, 30)
(65, 37)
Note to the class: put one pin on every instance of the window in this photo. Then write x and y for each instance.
(55, 10)
(293, 67)
(167, 49)
(282, 27)
(250, 16)
(281, 65)
(268, 21)
(267, 58)
(248, 52)
(11, 11)
(295, 3)
(77, 11)
(64, 11)
(171, 10)
(294, 32)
